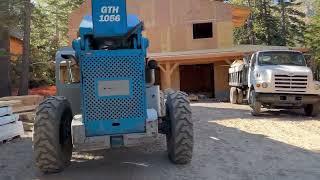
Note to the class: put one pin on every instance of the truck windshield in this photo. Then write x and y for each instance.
(281, 58)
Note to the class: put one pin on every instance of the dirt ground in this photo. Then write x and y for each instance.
(230, 144)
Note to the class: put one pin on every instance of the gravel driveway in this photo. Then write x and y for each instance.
(229, 144)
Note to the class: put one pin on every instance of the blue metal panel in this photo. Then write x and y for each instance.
(86, 25)
(109, 18)
(113, 115)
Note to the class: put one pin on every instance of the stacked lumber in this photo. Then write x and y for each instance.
(24, 107)
(10, 126)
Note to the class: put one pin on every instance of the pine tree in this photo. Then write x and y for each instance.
(49, 32)
(292, 25)
(261, 27)
(312, 34)
(272, 23)
(10, 13)
(24, 78)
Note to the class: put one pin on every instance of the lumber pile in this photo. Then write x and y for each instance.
(10, 126)
(24, 108)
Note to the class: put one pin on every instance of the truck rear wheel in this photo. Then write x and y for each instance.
(254, 104)
(311, 110)
(240, 96)
(180, 135)
(233, 95)
(52, 141)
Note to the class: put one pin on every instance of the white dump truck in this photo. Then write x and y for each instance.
(274, 80)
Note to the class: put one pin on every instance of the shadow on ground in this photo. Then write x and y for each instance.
(243, 112)
(219, 153)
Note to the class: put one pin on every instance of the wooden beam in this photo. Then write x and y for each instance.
(24, 109)
(202, 61)
(210, 57)
(10, 103)
(8, 119)
(25, 100)
(162, 68)
(11, 130)
(166, 76)
(228, 61)
(175, 65)
(5, 111)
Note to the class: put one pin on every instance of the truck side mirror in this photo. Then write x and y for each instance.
(69, 57)
(152, 64)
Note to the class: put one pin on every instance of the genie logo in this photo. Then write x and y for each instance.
(110, 14)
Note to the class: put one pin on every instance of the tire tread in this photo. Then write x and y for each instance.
(182, 132)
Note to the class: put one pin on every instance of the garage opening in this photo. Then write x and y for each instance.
(197, 79)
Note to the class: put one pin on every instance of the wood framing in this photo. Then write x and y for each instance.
(170, 28)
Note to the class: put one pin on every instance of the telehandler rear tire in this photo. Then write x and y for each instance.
(180, 134)
(52, 141)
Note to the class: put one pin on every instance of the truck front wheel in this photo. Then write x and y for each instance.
(240, 96)
(254, 104)
(233, 95)
(311, 110)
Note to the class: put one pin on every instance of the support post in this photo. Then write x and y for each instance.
(166, 72)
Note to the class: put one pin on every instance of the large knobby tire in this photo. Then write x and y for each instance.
(254, 104)
(240, 96)
(311, 110)
(162, 104)
(52, 141)
(180, 135)
(233, 95)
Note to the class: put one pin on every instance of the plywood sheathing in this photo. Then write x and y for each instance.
(169, 23)
(23, 107)
(223, 31)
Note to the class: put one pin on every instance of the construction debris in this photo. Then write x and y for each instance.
(22, 108)
(10, 126)
(25, 100)
(193, 97)
(198, 97)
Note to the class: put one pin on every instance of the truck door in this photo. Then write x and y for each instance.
(251, 70)
(68, 79)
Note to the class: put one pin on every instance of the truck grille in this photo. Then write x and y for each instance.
(295, 83)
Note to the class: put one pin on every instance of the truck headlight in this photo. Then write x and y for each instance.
(265, 85)
(258, 75)
(317, 86)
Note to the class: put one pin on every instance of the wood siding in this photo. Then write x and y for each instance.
(16, 46)
(169, 23)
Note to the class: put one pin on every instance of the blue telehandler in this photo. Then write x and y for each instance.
(115, 103)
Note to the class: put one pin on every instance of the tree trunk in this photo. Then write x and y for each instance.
(283, 22)
(252, 35)
(266, 21)
(5, 83)
(24, 81)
